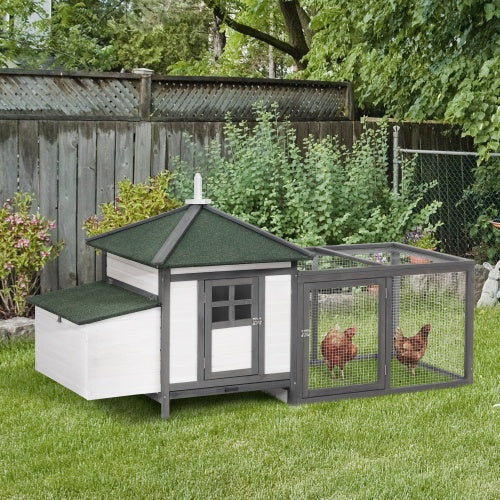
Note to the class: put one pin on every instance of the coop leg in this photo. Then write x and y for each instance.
(165, 406)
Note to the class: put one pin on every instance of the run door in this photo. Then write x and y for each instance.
(231, 328)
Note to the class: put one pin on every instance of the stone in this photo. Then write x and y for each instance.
(17, 328)
(480, 276)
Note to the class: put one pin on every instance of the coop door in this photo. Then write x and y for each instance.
(342, 335)
(231, 327)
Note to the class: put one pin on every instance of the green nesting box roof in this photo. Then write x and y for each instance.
(196, 235)
(93, 302)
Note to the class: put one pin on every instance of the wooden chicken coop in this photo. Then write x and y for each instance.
(196, 302)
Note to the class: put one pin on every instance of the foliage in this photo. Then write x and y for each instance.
(323, 194)
(422, 238)
(430, 59)
(486, 237)
(25, 248)
(19, 30)
(134, 202)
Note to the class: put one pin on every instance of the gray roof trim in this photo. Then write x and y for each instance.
(176, 235)
(90, 241)
(256, 229)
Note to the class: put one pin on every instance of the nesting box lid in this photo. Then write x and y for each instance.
(196, 235)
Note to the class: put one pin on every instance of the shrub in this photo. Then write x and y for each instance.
(25, 247)
(134, 202)
(322, 194)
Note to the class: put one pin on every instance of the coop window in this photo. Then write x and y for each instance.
(220, 293)
(220, 314)
(243, 311)
(232, 303)
(242, 292)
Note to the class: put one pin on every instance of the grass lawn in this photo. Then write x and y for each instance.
(435, 444)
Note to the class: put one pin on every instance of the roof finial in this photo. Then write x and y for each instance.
(198, 197)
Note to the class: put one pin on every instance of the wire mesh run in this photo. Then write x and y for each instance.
(428, 328)
(343, 344)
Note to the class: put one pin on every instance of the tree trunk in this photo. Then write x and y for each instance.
(219, 37)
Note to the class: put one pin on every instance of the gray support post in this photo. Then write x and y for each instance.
(395, 158)
(144, 92)
(396, 297)
(314, 317)
(164, 295)
(296, 353)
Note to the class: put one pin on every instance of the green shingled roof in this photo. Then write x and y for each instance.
(196, 235)
(93, 302)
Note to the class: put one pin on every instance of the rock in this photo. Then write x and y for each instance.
(17, 328)
(480, 276)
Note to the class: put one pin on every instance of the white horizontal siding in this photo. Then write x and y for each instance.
(124, 355)
(183, 331)
(278, 303)
(231, 348)
(132, 273)
(115, 357)
(61, 351)
(231, 267)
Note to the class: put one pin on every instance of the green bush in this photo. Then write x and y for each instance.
(322, 194)
(25, 247)
(134, 202)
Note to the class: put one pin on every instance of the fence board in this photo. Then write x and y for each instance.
(142, 152)
(158, 147)
(47, 201)
(8, 159)
(28, 157)
(174, 134)
(67, 193)
(124, 155)
(86, 195)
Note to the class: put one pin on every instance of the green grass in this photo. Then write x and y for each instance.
(441, 444)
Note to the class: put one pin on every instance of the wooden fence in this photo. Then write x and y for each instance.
(70, 137)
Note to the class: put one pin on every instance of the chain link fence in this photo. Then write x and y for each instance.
(461, 206)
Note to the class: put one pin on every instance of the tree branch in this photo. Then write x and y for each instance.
(244, 29)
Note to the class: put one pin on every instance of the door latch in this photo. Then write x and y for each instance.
(256, 321)
(304, 333)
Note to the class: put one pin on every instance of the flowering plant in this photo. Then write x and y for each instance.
(422, 238)
(25, 247)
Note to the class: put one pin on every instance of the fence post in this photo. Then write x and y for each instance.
(144, 92)
(395, 158)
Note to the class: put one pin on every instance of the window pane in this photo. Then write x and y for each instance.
(220, 314)
(243, 311)
(242, 292)
(220, 293)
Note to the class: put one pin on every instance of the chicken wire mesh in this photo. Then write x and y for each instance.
(343, 345)
(461, 207)
(428, 328)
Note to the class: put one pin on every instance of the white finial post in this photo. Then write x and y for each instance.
(198, 196)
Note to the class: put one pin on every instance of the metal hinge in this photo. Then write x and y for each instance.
(256, 321)
(385, 369)
(304, 333)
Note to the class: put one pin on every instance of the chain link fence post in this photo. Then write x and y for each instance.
(395, 158)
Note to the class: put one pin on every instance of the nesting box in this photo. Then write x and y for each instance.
(196, 302)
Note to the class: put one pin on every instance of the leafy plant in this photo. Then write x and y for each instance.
(422, 238)
(134, 202)
(25, 248)
(486, 236)
(320, 194)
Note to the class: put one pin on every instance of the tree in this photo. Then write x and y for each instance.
(294, 17)
(427, 60)
(19, 21)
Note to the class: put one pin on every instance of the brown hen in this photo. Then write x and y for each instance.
(410, 350)
(338, 348)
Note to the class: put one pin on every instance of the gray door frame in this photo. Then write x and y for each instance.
(231, 304)
(305, 292)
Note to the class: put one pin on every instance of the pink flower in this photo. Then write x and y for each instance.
(45, 254)
(22, 243)
(8, 266)
(51, 224)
